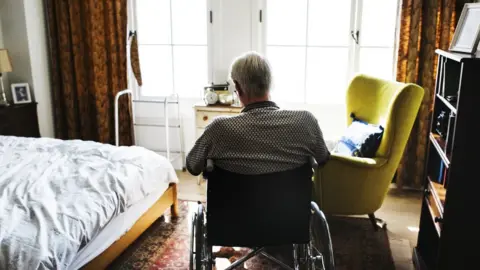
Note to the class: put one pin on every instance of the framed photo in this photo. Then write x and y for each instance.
(467, 32)
(21, 93)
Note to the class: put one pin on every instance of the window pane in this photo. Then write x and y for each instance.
(378, 23)
(286, 22)
(156, 67)
(329, 22)
(326, 75)
(377, 62)
(189, 22)
(153, 21)
(288, 73)
(191, 70)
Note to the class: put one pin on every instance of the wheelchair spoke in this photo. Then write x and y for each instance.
(310, 257)
(296, 265)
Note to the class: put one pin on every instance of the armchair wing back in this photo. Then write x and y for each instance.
(357, 186)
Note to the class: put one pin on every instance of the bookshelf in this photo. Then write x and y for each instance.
(448, 235)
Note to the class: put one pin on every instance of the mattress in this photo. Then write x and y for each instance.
(56, 196)
(116, 229)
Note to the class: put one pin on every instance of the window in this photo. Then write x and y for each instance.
(312, 45)
(376, 51)
(173, 46)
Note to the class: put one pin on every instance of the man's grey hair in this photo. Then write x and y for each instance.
(252, 71)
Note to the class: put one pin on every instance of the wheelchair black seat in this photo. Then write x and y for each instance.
(259, 210)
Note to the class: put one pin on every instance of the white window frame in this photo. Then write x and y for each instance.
(132, 26)
(357, 48)
(259, 36)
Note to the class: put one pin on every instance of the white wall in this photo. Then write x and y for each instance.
(5, 76)
(234, 33)
(15, 40)
(24, 36)
(37, 45)
(1, 32)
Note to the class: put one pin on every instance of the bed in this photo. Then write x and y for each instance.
(72, 204)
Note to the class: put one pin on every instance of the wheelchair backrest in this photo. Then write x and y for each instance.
(259, 210)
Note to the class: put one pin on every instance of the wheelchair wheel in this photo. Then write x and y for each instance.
(320, 250)
(192, 241)
(197, 241)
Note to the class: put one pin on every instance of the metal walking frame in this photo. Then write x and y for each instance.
(173, 99)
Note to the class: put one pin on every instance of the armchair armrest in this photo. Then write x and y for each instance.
(358, 161)
(352, 185)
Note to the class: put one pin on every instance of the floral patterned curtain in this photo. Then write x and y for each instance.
(135, 58)
(88, 66)
(426, 25)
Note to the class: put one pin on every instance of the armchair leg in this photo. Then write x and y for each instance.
(376, 222)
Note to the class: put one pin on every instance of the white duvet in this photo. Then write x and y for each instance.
(55, 196)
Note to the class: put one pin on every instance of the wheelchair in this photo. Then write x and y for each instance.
(259, 211)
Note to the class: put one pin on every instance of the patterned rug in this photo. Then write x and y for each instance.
(165, 245)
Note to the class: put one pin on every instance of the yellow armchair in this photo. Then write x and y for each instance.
(357, 186)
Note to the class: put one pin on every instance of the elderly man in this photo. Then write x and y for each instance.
(263, 138)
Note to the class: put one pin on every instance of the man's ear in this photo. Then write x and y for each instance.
(238, 88)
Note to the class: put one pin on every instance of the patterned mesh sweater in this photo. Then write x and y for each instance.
(262, 139)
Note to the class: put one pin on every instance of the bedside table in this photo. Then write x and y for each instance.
(19, 120)
(205, 114)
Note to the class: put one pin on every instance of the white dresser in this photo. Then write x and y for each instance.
(205, 114)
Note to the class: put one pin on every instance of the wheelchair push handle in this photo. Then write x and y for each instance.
(313, 163)
(210, 166)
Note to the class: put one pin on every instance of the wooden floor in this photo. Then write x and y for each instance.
(188, 189)
(401, 211)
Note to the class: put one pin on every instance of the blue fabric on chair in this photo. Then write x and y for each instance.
(361, 139)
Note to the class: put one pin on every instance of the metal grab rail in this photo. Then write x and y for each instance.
(165, 103)
(117, 97)
(167, 136)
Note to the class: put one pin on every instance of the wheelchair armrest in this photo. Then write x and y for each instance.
(313, 163)
(210, 165)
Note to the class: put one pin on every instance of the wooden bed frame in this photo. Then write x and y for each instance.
(168, 199)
